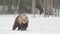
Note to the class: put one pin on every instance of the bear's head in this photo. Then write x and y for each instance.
(23, 19)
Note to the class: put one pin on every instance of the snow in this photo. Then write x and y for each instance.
(37, 25)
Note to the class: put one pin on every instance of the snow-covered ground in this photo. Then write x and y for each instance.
(37, 25)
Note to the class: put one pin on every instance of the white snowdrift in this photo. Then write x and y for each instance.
(37, 25)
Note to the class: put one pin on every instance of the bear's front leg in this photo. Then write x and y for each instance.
(19, 27)
(24, 26)
(15, 25)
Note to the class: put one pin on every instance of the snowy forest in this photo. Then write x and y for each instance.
(43, 15)
(47, 7)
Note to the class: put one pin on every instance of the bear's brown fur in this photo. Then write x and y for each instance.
(19, 22)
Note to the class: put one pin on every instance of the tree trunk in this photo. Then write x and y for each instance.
(16, 11)
(49, 7)
(44, 7)
(4, 7)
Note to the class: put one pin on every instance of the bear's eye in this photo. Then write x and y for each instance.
(26, 17)
(21, 17)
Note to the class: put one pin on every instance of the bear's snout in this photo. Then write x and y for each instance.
(23, 19)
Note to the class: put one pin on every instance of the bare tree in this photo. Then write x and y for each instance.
(48, 5)
(44, 7)
(33, 7)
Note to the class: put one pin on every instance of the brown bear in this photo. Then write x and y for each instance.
(21, 22)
